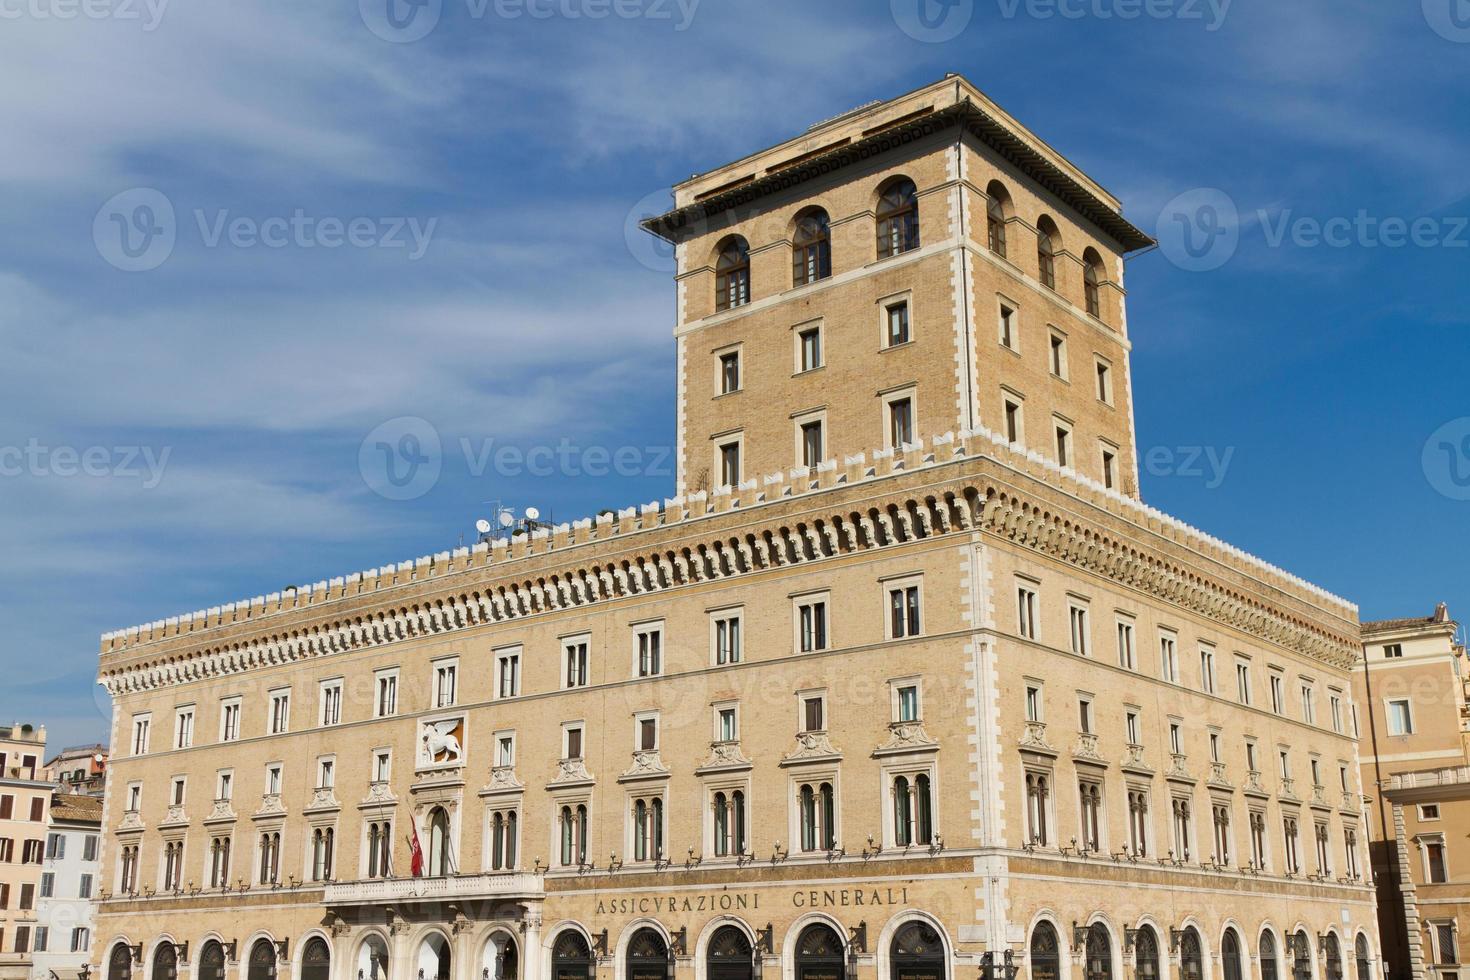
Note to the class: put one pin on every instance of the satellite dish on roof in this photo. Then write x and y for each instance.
(483, 526)
(532, 514)
(507, 518)
(97, 758)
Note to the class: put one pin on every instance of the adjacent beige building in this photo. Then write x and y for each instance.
(25, 800)
(904, 681)
(1412, 684)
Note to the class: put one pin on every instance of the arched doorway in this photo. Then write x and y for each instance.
(165, 962)
(917, 953)
(439, 861)
(316, 959)
(262, 965)
(819, 954)
(501, 960)
(1191, 957)
(1099, 953)
(1146, 953)
(372, 959)
(1045, 953)
(120, 963)
(212, 961)
(730, 956)
(1360, 950)
(1301, 956)
(1334, 957)
(1268, 957)
(434, 960)
(1230, 954)
(647, 957)
(571, 957)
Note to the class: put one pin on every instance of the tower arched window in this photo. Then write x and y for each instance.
(898, 218)
(732, 274)
(1047, 239)
(811, 259)
(997, 207)
(1091, 281)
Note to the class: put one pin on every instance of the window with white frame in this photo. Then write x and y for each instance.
(728, 822)
(900, 416)
(1243, 681)
(646, 732)
(1009, 334)
(135, 797)
(571, 741)
(727, 723)
(141, 724)
(1350, 853)
(1334, 708)
(1400, 717)
(505, 750)
(572, 831)
(1063, 440)
(646, 827)
(1108, 461)
(1436, 862)
(812, 707)
(1057, 354)
(1014, 423)
(280, 719)
(1127, 656)
(1278, 692)
(911, 792)
(816, 802)
(1176, 736)
(574, 659)
(729, 371)
(1290, 839)
(1207, 669)
(331, 701)
(725, 636)
(184, 727)
(326, 772)
(323, 841)
(179, 788)
(224, 785)
(1104, 380)
(1084, 713)
(896, 327)
(273, 774)
(1445, 948)
(504, 827)
(386, 703)
(1080, 630)
(727, 458)
(810, 441)
(508, 672)
(1182, 811)
(1038, 807)
(379, 845)
(1324, 848)
(648, 649)
(903, 608)
(1309, 702)
(906, 702)
(809, 348)
(1132, 727)
(1090, 812)
(1026, 609)
(382, 765)
(229, 719)
(1220, 820)
(446, 682)
(811, 622)
(1169, 656)
(1257, 821)
(1035, 707)
(1138, 820)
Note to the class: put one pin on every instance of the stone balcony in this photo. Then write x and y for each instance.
(394, 891)
(175, 817)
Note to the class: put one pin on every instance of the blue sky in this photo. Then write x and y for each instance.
(194, 433)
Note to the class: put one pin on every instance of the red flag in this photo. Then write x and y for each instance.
(416, 864)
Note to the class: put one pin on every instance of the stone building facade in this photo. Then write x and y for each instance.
(70, 876)
(1412, 682)
(904, 681)
(25, 802)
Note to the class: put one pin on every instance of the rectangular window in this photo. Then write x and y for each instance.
(1169, 657)
(141, 724)
(1131, 728)
(508, 673)
(648, 734)
(1104, 382)
(331, 694)
(1013, 421)
(908, 703)
(273, 778)
(574, 662)
(48, 882)
(903, 611)
(811, 624)
(809, 349)
(730, 464)
(811, 443)
(43, 939)
(179, 786)
(1058, 360)
(1400, 720)
(505, 750)
(572, 747)
(1026, 611)
(89, 847)
(1334, 703)
(649, 641)
(1084, 715)
(387, 700)
(229, 720)
(1243, 681)
(224, 785)
(1064, 444)
(727, 641)
(326, 773)
(446, 683)
(1007, 327)
(1393, 651)
(1077, 619)
(55, 846)
(814, 713)
(84, 887)
(1127, 659)
(184, 728)
(382, 766)
(1109, 467)
(1033, 702)
(1207, 670)
(280, 712)
(897, 316)
(900, 422)
(729, 372)
(1309, 703)
(726, 725)
(1278, 695)
(1436, 869)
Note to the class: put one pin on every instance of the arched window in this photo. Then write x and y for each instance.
(648, 956)
(380, 843)
(898, 218)
(120, 963)
(439, 863)
(262, 964)
(1360, 949)
(917, 953)
(1047, 238)
(730, 956)
(818, 813)
(902, 812)
(819, 954)
(503, 840)
(165, 962)
(1091, 279)
(1268, 957)
(648, 829)
(1044, 955)
(1191, 956)
(1334, 957)
(211, 961)
(321, 853)
(1301, 956)
(1146, 953)
(997, 208)
(316, 959)
(1038, 807)
(1099, 953)
(729, 823)
(913, 811)
(1230, 955)
(571, 957)
(811, 259)
(732, 274)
